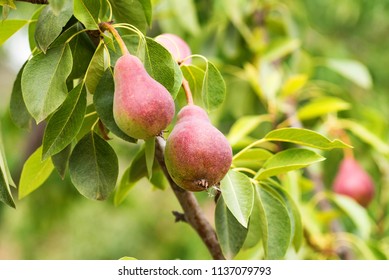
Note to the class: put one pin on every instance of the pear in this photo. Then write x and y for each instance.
(197, 154)
(142, 107)
(178, 48)
(351, 180)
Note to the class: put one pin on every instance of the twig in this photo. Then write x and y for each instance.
(35, 1)
(192, 210)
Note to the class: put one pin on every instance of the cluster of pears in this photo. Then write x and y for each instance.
(197, 154)
(353, 181)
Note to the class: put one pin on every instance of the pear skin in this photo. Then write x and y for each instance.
(142, 107)
(197, 154)
(178, 48)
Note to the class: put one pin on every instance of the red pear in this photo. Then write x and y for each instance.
(197, 154)
(354, 182)
(178, 48)
(142, 107)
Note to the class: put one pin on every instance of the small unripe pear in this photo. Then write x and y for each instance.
(178, 48)
(197, 154)
(142, 107)
(354, 182)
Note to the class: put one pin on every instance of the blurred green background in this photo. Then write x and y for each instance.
(55, 222)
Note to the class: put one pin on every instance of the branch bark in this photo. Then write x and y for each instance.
(35, 1)
(192, 211)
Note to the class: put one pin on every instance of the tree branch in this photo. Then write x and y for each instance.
(35, 1)
(192, 211)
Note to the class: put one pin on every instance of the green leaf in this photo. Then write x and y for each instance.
(83, 50)
(65, 123)
(244, 126)
(353, 70)
(281, 48)
(57, 5)
(231, 234)
(162, 67)
(124, 187)
(252, 158)
(286, 161)
(50, 24)
(237, 192)
(61, 160)
(293, 211)
(44, 81)
(5, 179)
(138, 13)
(93, 167)
(185, 21)
(159, 180)
(18, 110)
(276, 224)
(195, 77)
(10, 27)
(356, 213)
(8, 3)
(5, 192)
(35, 172)
(32, 27)
(95, 69)
(214, 87)
(103, 101)
(87, 11)
(321, 106)
(149, 153)
(127, 259)
(294, 84)
(304, 137)
(365, 135)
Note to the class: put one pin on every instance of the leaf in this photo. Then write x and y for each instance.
(44, 81)
(149, 153)
(304, 137)
(162, 67)
(124, 186)
(61, 160)
(195, 77)
(281, 48)
(294, 84)
(138, 13)
(231, 234)
(286, 161)
(214, 87)
(187, 20)
(34, 173)
(353, 70)
(355, 212)
(18, 110)
(7, 3)
(87, 11)
(57, 5)
(237, 192)
(50, 24)
(10, 27)
(93, 167)
(5, 192)
(65, 123)
(321, 106)
(244, 126)
(5, 179)
(365, 135)
(159, 180)
(103, 101)
(32, 27)
(95, 69)
(276, 225)
(253, 158)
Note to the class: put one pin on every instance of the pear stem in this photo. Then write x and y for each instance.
(188, 92)
(108, 26)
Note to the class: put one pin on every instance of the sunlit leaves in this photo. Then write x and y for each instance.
(5, 179)
(10, 27)
(35, 172)
(321, 106)
(44, 81)
(95, 69)
(93, 167)
(304, 137)
(214, 87)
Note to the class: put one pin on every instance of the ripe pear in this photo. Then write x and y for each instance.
(197, 154)
(142, 107)
(178, 48)
(351, 180)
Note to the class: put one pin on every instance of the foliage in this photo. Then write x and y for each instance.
(286, 111)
